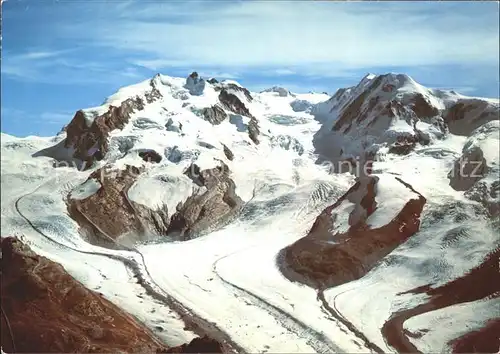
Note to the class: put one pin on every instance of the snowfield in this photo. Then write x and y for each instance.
(229, 277)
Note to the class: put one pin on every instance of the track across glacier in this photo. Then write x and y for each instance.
(140, 271)
(318, 341)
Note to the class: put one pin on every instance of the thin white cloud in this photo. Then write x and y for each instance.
(53, 68)
(38, 55)
(283, 72)
(57, 118)
(268, 38)
(281, 34)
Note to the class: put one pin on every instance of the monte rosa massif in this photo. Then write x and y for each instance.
(192, 215)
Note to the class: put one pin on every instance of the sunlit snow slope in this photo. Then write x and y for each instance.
(225, 180)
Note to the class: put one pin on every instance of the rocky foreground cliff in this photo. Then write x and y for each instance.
(45, 310)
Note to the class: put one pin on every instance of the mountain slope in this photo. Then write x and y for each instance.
(46, 310)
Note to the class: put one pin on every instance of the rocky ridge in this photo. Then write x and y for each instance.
(214, 203)
(394, 112)
(91, 134)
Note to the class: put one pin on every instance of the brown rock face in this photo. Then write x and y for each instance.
(108, 209)
(371, 107)
(150, 156)
(233, 103)
(422, 108)
(254, 130)
(354, 110)
(468, 169)
(91, 143)
(208, 208)
(108, 216)
(46, 310)
(325, 259)
(468, 114)
(404, 145)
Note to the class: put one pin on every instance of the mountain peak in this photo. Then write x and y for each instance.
(396, 80)
(399, 81)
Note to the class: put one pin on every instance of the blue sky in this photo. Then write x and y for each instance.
(60, 56)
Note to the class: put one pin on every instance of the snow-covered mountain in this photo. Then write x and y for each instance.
(271, 219)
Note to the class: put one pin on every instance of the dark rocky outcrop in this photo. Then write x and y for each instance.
(468, 169)
(354, 110)
(150, 156)
(212, 205)
(231, 102)
(254, 130)
(46, 310)
(195, 84)
(422, 107)
(215, 114)
(212, 81)
(468, 114)
(109, 218)
(325, 258)
(477, 170)
(86, 139)
(403, 145)
(153, 94)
